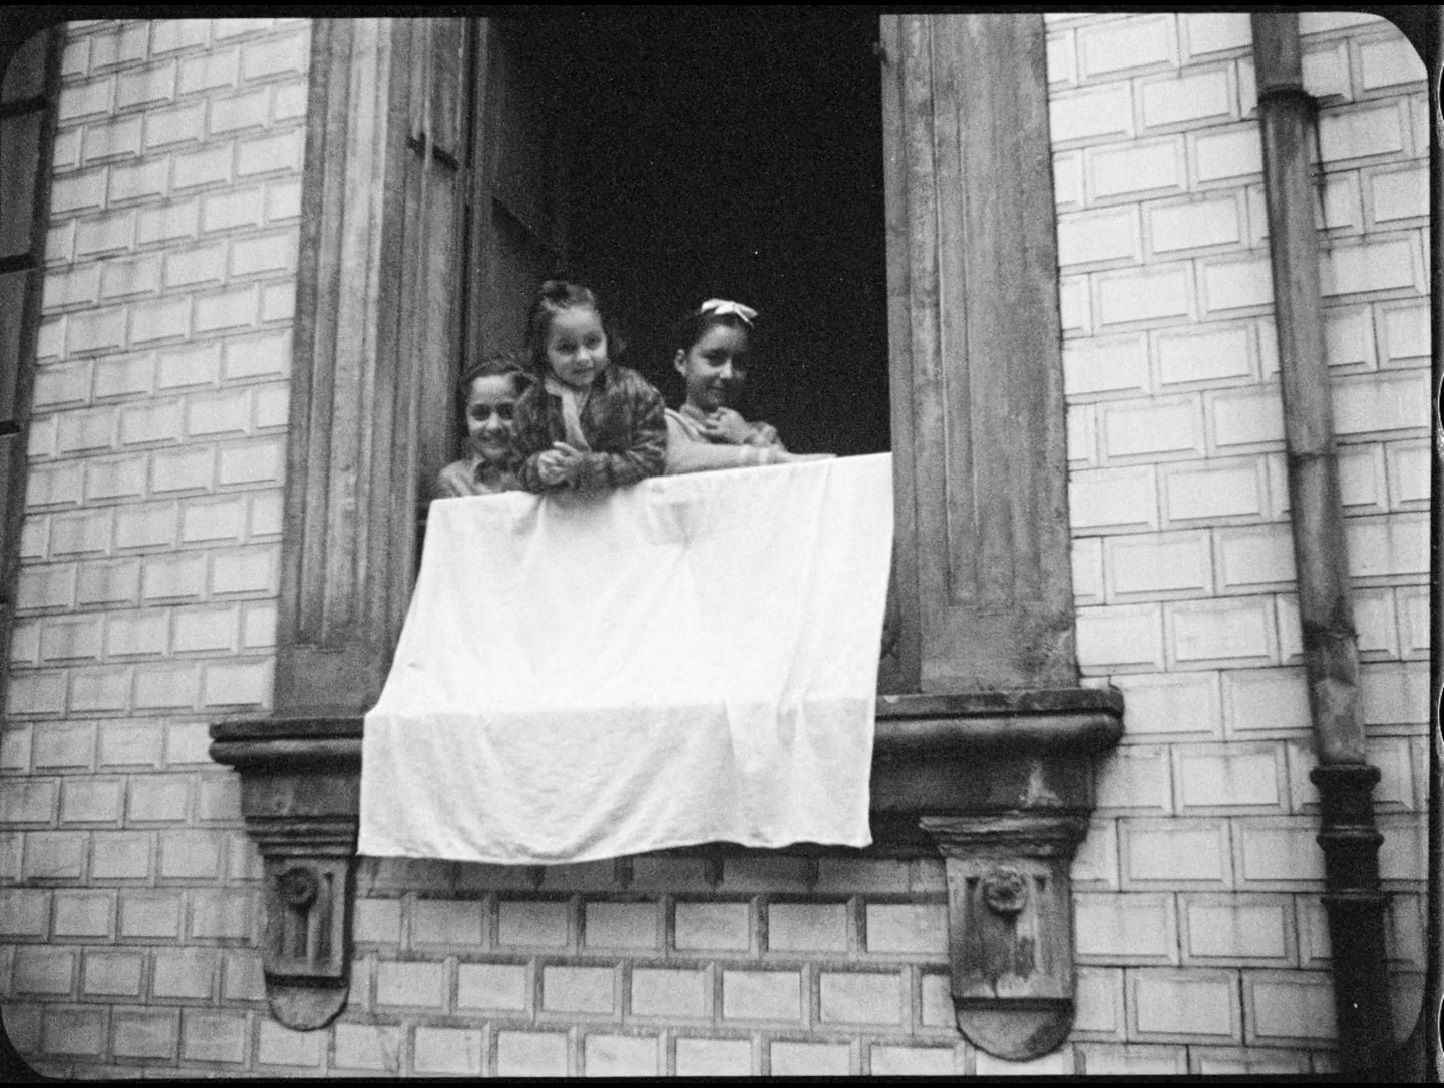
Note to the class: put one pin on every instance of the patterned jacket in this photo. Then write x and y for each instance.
(624, 420)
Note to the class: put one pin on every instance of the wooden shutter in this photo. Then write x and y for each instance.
(378, 343)
(980, 469)
(433, 244)
(520, 194)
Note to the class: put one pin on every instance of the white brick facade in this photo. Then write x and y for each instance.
(146, 608)
(146, 602)
(1183, 555)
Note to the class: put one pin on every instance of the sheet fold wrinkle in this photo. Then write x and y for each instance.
(690, 660)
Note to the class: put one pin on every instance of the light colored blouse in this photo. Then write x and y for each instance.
(469, 477)
(690, 450)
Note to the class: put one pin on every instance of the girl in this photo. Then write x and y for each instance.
(712, 346)
(491, 388)
(587, 422)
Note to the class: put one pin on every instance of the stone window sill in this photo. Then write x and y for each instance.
(1000, 782)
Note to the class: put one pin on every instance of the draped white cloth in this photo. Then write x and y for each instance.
(585, 676)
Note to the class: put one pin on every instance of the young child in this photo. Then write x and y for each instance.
(712, 345)
(587, 422)
(491, 388)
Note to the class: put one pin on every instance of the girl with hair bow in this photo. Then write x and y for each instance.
(712, 345)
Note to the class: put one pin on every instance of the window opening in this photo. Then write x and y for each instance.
(664, 159)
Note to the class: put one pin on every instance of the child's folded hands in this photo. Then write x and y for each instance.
(559, 464)
(727, 425)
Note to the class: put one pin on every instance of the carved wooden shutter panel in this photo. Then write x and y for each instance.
(433, 244)
(377, 344)
(520, 191)
(977, 390)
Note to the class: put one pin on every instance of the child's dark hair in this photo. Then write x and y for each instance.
(499, 364)
(552, 298)
(695, 324)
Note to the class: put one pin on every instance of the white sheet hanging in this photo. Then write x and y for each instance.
(690, 660)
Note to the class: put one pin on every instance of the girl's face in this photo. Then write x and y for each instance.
(714, 367)
(576, 346)
(489, 408)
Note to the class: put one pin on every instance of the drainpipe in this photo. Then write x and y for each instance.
(1430, 43)
(1345, 779)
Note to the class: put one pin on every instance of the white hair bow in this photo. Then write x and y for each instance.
(722, 306)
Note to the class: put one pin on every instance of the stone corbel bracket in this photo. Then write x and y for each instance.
(300, 795)
(1002, 783)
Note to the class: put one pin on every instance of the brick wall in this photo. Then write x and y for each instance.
(660, 964)
(146, 603)
(128, 890)
(1198, 909)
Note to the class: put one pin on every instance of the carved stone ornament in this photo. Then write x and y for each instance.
(1010, 928)
(1001, 784)
(300, 792)
(1005, 891)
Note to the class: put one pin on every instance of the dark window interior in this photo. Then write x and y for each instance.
(734, 153)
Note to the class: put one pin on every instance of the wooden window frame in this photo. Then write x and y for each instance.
(985, 753)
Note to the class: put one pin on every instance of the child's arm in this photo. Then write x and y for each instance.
(645, 416)
(764, 434)
(687, 455)
(727, 425)
(530, 439)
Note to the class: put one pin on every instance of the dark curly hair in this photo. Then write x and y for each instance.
(499, 364)
(552, 298)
